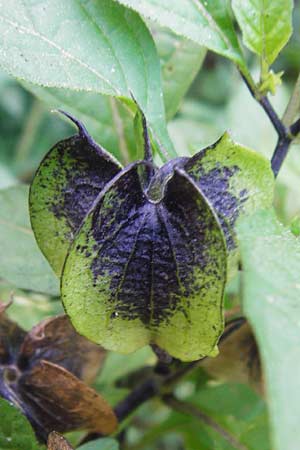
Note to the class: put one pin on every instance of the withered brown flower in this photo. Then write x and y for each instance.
(57, 442)
(44, 371)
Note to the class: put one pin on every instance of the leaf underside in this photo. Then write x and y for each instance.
(270, 288)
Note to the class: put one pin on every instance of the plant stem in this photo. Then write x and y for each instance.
(159, 384)
(280, 152)
(145, 391)
(188, 408)
(29, 131)
(119, 127)
(268, 108)
(285, 134)
(295, 128)
(293, 107)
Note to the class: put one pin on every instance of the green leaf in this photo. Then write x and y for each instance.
(270, 282)
(27, 130)
(234, 407)
(236, 181)
(6, 178)
(238, 410)
(266, 25)
(109, 121)
(86, 46)
(295, 226)
(66, 184)
(21, 262)
(101, 444)
(181, 60)
(207, 23)
(133, 275)
(15, 431)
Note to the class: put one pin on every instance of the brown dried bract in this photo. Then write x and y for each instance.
(57, 442)
(58, 342)
(73, 405)
(43, 373)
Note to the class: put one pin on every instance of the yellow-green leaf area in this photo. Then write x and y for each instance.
(15, 431)
(266, 25)
(64, 188)
(236, 181)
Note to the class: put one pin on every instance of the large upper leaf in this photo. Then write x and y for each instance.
(64, 188)
(142, 270)
(15, 431)
(107, 119)
(21, 262)
(270, 281)
(181, 60)
(84, 45)
(236, 181)
(266, 25)
(207, 23)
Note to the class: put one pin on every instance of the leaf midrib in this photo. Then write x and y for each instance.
(65, 53)
(213, 24)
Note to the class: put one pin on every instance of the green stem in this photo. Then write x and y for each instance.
(119, 127)
(293, 107)
(160, 383)
(286, 135)
(188, 408)
(29, 132)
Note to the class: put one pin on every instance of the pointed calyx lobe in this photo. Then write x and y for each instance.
(149, 258)
(236, 181)
(65, 186)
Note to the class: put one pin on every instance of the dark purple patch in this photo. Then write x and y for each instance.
(151, 251)
(83, 179)
(73, 173)
(215, 186)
